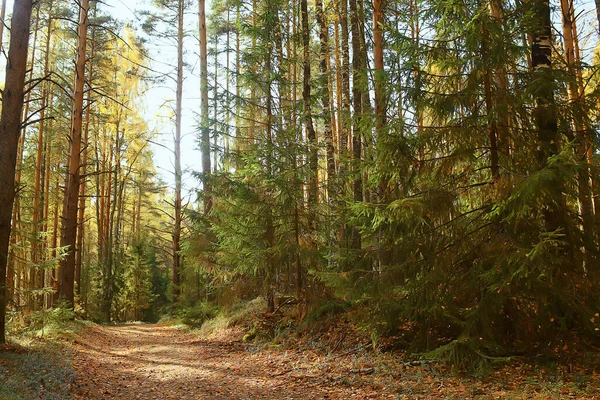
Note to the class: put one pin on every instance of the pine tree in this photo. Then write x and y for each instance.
(10, 126)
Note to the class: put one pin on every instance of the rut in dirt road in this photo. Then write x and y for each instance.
(161, 362)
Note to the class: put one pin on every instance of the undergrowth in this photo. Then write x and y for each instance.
(34, 364)
(37, 370)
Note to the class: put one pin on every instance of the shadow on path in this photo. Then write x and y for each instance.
(161, 362)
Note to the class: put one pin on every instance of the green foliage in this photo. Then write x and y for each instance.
(326, 309)
(195, 316)
(467, 261)
(137, 294)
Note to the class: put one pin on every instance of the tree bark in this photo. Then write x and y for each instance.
(269, 228)
(10, 124)
(545, 117)
(325, 98)
(68, 237)
(84, 161)
(30, 284)
(378, 65)
(345, 76)
(492, 125)
(581, 133)
(501, 80)
(204, 124)
(358, 66)
(38, 198)
(178, 109)
(311, 135)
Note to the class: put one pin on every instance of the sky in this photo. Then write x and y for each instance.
(159, 100)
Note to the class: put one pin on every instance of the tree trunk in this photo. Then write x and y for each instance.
(30, 267)
(55, 228)
(378, 65)
(38, 198)
(338, 91)
(345, 112)
(358, 66)
(492, 126)
(501, 80)
(107, 232)
(311, 135)
(204, 124)
(325, 98)
(84, 161)
(68, 237)
(545, 117)
(46, 212)
(177, 151)
(269, 229)
(10, 124)
(581, 133)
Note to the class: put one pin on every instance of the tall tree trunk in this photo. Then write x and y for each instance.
(581, 133)
(326, 97)
(378, 65)
(269, 229)
(46, 212)
(178, 110)
(501, 94)
(338, 89)
(10, 125)
(204, 122)
(345, 76)
(379, 79)
(113, 220)
(38, 199)
(215, 121)
(107, 233)
(21, 281)
(492, 125)
(358, 70)
(55, 229)
(238, 132)
(84, 162)
(311, 135)
(545, 110)
(226, 129)
(300, 271)
(68, 237)
(31, 267)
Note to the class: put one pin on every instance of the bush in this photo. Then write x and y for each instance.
(195, 316)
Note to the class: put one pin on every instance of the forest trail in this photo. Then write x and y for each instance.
(163, 362)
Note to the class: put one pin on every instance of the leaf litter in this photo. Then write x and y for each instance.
(164, 362)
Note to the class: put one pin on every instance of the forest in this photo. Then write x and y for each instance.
(429, 169)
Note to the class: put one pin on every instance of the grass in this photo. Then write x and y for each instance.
(243, 314)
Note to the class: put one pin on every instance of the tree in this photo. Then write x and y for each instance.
(177, 151)
(10, 126)
(73, 180)
(204, 122)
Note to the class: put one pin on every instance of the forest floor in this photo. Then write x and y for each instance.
(163, 362)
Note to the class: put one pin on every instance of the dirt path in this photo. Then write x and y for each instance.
(161, 362)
